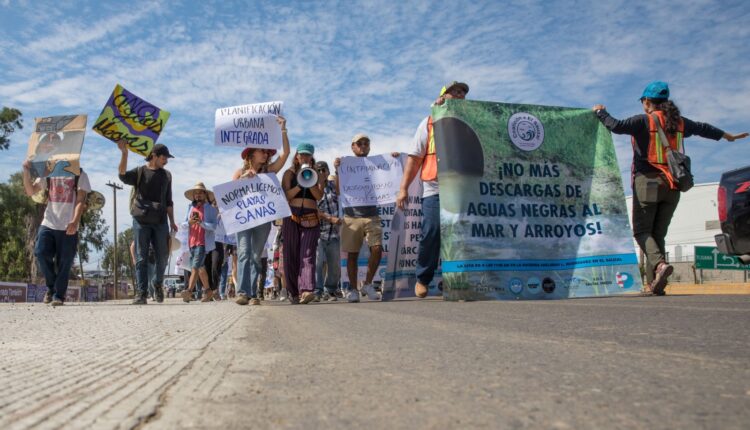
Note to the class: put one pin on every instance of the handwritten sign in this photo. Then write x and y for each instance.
(369, 181)
(249, 202)
(251, 125)
(128, 117)
(55, 145)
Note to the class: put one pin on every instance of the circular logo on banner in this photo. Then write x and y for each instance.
(515, 285)
(525, 131)
(533, 285)
(548, 285)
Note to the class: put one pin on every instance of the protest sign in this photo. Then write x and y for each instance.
(249, 202)
(402, 243)
(401, 235)
(369, 181)
(532, 204)
(55, 145)
(128, 117)
(252, 125)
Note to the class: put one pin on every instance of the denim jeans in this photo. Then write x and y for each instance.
(429, 247)
(155, 235)
(224, 274)
(250, 246)
(329, 252)
(55, 252)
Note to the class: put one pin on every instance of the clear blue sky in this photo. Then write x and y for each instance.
(374, 67)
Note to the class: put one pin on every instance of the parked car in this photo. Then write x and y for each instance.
(734, 214)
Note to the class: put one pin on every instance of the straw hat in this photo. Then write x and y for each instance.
(174, 243)
(199, 186)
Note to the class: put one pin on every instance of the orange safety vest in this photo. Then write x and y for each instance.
(429, 164)
(657, 154)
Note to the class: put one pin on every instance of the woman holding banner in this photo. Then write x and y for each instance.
(655, 191)
(301, 231)
(250, 243)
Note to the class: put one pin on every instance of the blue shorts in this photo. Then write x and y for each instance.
(197, 256)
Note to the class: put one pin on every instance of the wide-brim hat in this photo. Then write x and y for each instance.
(174, 243)
(246, 152)
(189, 194)
(452, 84)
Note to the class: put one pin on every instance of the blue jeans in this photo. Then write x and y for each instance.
(155, 235)
(223, 278)
(329, 252)
(429, 247)
(250, 246)
(55, 252)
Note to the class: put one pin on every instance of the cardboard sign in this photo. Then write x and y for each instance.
(369, 181)
(55, 145)
(128, 117)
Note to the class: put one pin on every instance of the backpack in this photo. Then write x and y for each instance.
(145, 211)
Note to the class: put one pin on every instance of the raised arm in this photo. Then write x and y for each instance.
(279, 163)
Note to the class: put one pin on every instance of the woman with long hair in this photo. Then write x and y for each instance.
(301, 231)
(250, 243)
(655, 192)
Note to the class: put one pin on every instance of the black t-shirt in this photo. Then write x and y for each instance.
(152, 185)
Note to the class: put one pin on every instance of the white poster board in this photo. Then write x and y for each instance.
(251, 125)
(369, 181)
(249, 202)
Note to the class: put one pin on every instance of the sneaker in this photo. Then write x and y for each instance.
(420, 290)
(306, 298)
(331, 298)
(293, 300)
(255, 301)
(242, 299)
(186, 295)
(48, 297)
(352, 296)
(56, 303)
(139, 300)
(663, 271)
(339, 294)
(159, 293)
(317, 298)
(369, 289)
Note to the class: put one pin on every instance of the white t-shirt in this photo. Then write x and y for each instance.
(61, 203)
(419, 149)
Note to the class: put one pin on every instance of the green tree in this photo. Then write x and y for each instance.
(10, 120)
(17, 215)
(92, 234)
(125, 265)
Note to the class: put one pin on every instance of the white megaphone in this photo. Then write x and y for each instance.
(307, 176)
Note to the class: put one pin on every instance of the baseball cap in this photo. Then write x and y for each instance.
(305, 148)
(160, 149)
(452, 84)
(357, 137)
(656, 90)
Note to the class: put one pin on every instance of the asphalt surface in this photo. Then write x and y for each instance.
(659, 362)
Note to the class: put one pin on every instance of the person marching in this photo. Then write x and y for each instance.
(424, 157)
(329, 247)
(57, 238)
(301, 230)
(152, 207)
(202, 219)
(251, 242)
(655, 193)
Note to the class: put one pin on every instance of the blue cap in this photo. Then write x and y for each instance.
(656, 90)
(305, 148)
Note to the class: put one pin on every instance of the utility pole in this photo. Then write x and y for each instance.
(115, 187)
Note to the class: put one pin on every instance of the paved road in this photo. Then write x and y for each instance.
(671, 362)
